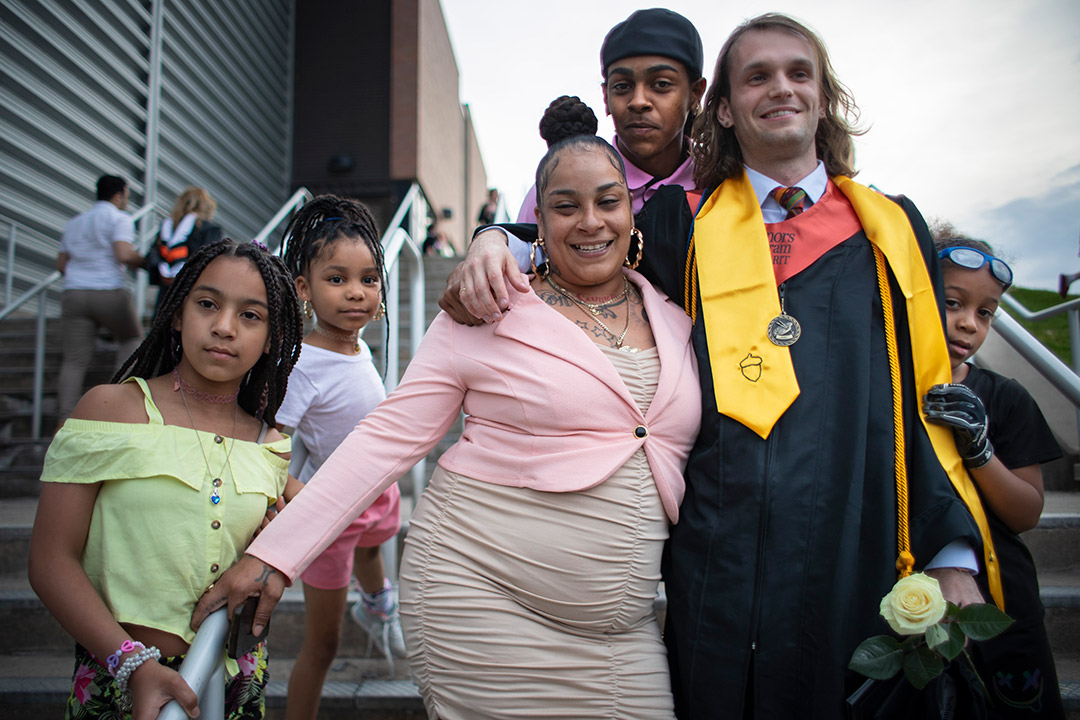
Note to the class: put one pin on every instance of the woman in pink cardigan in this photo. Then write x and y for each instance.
(533, 558)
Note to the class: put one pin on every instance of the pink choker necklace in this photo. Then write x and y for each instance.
(215, 398)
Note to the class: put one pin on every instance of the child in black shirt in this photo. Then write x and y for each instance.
(1003, 438)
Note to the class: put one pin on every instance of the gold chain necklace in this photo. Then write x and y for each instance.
(215, 497)
(594, 314)
(354, 338)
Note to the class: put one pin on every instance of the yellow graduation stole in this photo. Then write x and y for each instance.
(754, 380)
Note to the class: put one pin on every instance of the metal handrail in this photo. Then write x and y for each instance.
(1064, 379)
(1045, 362)
(298, 198)
(203, 669)
(408, 222)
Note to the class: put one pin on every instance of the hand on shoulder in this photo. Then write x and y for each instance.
(112, 403)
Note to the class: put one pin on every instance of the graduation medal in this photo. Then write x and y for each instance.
(783, 330)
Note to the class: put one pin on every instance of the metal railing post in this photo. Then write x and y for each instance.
(39, 368)
(1074, 347)
(204, 670)
(417, 316)
(10, 274)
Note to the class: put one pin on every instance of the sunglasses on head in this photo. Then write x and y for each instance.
(972, 259)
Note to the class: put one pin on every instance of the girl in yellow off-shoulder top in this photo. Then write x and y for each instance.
(157, 483)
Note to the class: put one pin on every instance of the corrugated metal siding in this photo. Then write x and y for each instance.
(74, 95)
(225, 119)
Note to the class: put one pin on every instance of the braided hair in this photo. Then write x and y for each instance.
(565, 117)
(323, 221)
(263, 388)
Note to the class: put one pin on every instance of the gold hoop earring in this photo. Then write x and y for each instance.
(544, 269)
(635, 235)
(308, 312)
(380, 313)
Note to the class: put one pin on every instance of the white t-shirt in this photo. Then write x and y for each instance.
(88, 240)
(328, 394)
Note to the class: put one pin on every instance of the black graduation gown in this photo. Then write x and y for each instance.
(785, 546)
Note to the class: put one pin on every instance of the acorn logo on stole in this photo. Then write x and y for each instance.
(751, 367)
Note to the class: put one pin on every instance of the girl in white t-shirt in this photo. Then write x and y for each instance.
(332, 250)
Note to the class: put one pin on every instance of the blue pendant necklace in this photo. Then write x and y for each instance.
(215, 496)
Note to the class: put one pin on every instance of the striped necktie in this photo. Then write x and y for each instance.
(792, 199)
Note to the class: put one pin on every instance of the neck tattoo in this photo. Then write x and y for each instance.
(353, 337)
(182, 385)
(215, 496)
(593, 310)
(595, 305)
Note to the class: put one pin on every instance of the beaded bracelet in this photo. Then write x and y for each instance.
(113, 661)
(131, 665)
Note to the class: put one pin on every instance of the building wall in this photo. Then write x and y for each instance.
(441, 136)
(342, 97)
(81, 98)
(476, 178)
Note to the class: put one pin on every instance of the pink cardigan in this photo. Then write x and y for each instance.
(544, 410)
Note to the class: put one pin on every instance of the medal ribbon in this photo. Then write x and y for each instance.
(753, 379)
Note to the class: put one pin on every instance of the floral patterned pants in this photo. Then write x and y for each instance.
(94, 693)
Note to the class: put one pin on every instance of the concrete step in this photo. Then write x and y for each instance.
(23, 616)
(38, 687)
(1055, 543)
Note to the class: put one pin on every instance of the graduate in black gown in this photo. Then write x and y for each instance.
(788, 538)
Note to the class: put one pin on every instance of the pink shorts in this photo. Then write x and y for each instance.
(380, 522)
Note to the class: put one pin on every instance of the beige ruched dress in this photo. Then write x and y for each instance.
(518, 603)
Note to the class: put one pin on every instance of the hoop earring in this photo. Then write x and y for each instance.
(636, 235)
(380, 313)
(544, 269)
(306, 307)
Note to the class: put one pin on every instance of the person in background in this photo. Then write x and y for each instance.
(488, 209)
(186, 230)
(95, 249)
(1003, 438)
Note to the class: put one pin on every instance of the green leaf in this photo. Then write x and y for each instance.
(935, 635)
(878, 657)
(954, 644)
(983, 621)
(951, 610)
(922, 666)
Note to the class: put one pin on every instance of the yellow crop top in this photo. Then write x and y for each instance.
(156, 539)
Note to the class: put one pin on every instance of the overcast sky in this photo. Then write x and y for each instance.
(973, 107)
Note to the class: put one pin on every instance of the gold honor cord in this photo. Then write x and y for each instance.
(889, 229)
(905, 560)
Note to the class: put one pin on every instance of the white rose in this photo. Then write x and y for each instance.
(914, 604)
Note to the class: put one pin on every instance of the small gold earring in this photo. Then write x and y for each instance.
(380, 313)
(308, 312)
